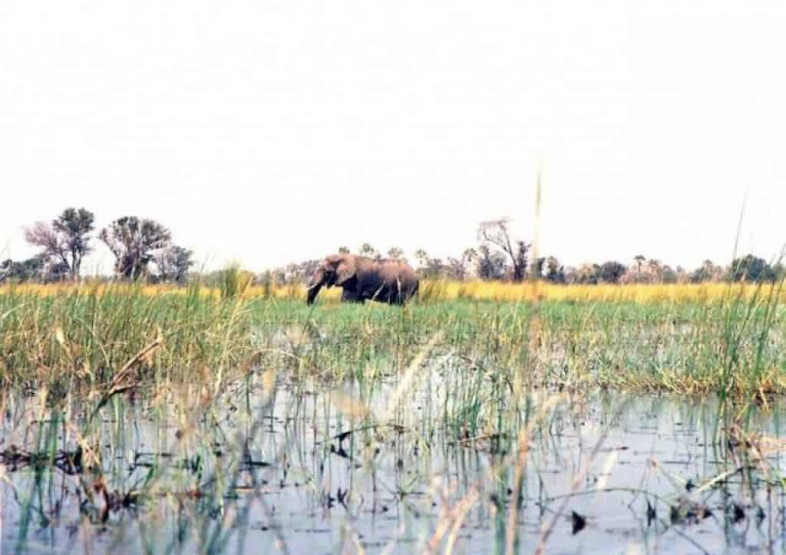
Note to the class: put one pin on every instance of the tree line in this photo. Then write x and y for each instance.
(143, 249)
(500, 256)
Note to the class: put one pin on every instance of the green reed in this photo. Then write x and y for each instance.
(91, 341)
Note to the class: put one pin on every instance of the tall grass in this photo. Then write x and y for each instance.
(234, 282)
(455, 374)
(84, 337)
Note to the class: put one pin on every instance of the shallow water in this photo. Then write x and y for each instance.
(381, 468)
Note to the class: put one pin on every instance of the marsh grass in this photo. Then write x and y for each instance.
(84, 363)
(81, 339)
(234, 282)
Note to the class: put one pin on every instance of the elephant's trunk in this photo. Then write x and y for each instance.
(313, 290)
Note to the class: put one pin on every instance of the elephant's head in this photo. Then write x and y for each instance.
(336, 269)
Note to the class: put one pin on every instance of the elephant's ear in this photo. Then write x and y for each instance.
(345, 270)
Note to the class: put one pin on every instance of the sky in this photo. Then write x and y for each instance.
(267, 132)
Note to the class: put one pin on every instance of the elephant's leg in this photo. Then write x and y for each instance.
(393, 296)
(349, 295)
(382, 294)
(399, 294)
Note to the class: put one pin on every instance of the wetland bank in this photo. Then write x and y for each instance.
(196, 421)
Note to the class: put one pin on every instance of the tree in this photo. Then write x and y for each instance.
(681, 274)
(497, 233)
(555, 272)
(640, 259)
(65, 241)
(395, 253)
(74, 225)
(669, 274)
(38, 268)
(536, 272)
(521, 260)
(367, 250)
(428, 267)
(489, 264)
(434, 268)
(655, 270)
(643, 271)
(343, 250)
(173, 263)
(751, 268)
(611, 271)
(293, 273)
(134, 242)
(458, 267)
(588, 273)
(43, 235)
(422, 257)
(708, 271)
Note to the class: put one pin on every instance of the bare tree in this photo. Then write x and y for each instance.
(459, 267)
(43, 235)
(65, 241)
(134, 242)
(497, 233)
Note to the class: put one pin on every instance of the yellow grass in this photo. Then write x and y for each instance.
(450, 290)
(634, 293)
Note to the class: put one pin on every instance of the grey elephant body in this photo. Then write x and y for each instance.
(363, 278)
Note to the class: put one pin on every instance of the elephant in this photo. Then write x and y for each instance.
(363, 278)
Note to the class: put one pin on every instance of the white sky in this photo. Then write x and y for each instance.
(270, 132)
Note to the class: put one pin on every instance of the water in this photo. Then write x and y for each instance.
(317, 468)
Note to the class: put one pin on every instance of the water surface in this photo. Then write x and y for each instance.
(380, 468)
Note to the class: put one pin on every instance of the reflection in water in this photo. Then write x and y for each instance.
(309, 468)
